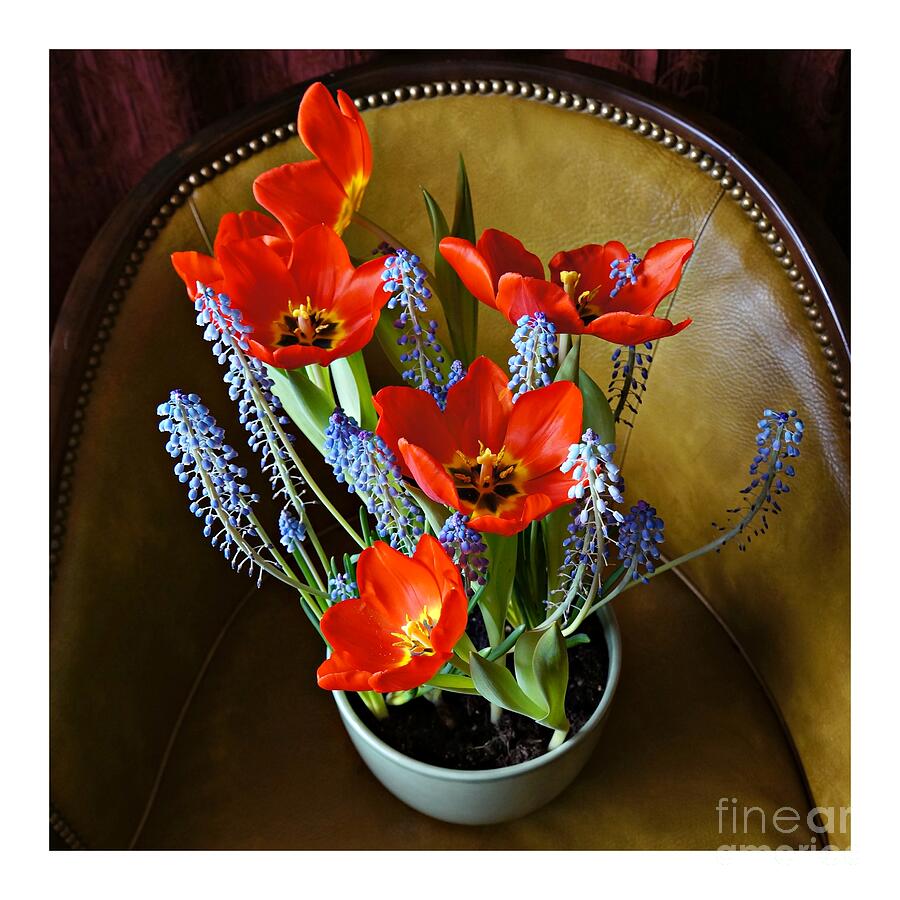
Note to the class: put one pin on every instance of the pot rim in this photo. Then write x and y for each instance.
(614, 647)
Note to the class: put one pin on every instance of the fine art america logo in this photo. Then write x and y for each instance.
(738, 823)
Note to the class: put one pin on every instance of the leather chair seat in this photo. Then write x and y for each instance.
(261, 759)
(184, 709)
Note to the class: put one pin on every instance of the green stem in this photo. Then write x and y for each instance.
(311, 612)
(626, 389)
(723, 539)
(291, 491)
(314, 575)
(563, 349)
(320, 378)
(285, 573)
(505, 646)
(558, 737)
(317, 544)
(611, 580)
(289, 447)
(375, 703)
(302, 560)
(587, 608)
(563, 607)
(320, 494)
(374, 228)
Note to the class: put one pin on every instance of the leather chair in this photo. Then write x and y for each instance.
(184, 708)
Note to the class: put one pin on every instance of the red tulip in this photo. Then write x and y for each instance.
(302, 297)
(481, 266)
(194, 267)
(493, 460)
(581, 297)
(400, 631)
(328, 189)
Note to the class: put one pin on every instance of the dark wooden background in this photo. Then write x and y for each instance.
(113, 114)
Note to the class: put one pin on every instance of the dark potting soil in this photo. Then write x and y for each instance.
(457, 732)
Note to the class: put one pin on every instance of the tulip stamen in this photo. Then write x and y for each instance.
(486, 479)
(306, 326)
(582, 302)
(415, 636)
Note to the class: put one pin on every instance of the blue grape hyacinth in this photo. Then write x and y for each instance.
(466, 548)
(640, 534)
(365, 464)
(535, 357)
(249, 385)
(777, 448)
(404, 280)
(217, 489)
(596, 484)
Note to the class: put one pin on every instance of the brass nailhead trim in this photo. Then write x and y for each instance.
(651, 131)
(61, 827)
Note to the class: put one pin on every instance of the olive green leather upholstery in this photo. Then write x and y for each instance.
(184, 709)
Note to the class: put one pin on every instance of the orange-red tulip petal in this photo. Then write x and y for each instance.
(313, 307)
(492, 459)
(330, 188)
(402, 628)
(481, 266)
(499, 272)
(193, 267)
(519, 296)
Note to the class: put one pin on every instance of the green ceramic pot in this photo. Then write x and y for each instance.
(486, 796)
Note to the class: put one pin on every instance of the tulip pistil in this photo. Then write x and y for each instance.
(485, 480)
(582, 302)
(415, 636)
(306, 326)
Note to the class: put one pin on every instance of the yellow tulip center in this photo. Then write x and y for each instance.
(306, 326)
(485, 481)
(581, 301)
(414, 638)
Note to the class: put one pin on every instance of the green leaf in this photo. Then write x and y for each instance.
(464, 227)
(460, 307)
(569, 370)
(502, 552)
(577, 639)
(476, 597)
(308, 405)
(463, 215)
(496, 683)
(542, 671)
(447, 283)
(523, 656)
(456, 684)
(387, 337)
(435, 513)
(551, 672)
(351, 381)
(461, 652)
(597, 414)
(555, 528)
